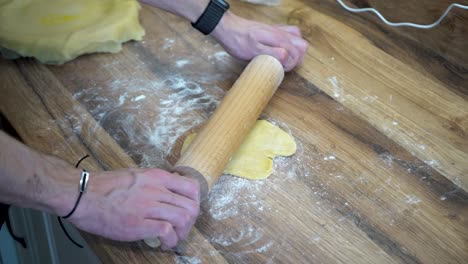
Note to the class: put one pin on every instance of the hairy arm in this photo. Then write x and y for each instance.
(33, 180)
(243, 38)
(124, 205)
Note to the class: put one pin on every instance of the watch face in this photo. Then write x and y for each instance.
(222, 3)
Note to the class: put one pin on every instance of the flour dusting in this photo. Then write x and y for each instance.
(412, 199)
(220, 55)
(182, 63)
(224, 199)
(168, 43)
(247, 238)
(138, 98)
(316, 239)
(176, 111)
(172, 106)
(370, 98)
(244, 201)
(337, 89)
(186, 260)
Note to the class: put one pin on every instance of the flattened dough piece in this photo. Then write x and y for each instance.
(56, 31)
(254, 158)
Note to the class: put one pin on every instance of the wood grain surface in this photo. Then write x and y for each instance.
(380, 116)
(226, 129)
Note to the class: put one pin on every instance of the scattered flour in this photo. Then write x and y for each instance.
(182, 63)
(122, 98)
(177, 111)
(172, 105)
(337, 89)
(168, 43)
(247, 238)
(264, 248)
(433, 164)
(412, 199)
(224, 199)
(220, 55)
(138, 98)
(316, 239)
(186, 260)
(370, 98)
(221, 240)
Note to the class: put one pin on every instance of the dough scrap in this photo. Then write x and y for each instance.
(254, 158)
(56, 31)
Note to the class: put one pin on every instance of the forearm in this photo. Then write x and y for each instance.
(189, 9)
(243, 38)
(192, 9)
(33, 180)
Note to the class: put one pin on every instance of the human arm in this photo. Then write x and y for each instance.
(124, 205)
(243, 38)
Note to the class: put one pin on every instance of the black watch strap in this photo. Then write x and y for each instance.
(210, 18)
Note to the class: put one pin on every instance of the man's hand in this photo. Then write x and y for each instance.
(137, 204)
(124, 205)
(244, 39)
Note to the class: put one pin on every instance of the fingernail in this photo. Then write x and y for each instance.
(299, 42)
(288, 63)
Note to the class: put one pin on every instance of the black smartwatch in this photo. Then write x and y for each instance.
(213, 13)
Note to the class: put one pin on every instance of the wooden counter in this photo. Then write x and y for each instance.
(380, 116)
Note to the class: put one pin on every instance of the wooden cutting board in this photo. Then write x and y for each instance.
(380, 116)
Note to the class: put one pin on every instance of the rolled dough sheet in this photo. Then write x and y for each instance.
(56, 31)
(254, 158)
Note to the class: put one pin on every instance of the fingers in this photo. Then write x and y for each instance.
(136, 204)
(176, 200)
(151, 229)
(245, 39)
(167, 197)
(290, 29)
(279, 53)
(301, 46)
(179, 218)
(187, 187)
(286, 54)
(285, 37)
(294, 56)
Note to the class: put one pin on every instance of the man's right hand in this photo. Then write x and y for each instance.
(245, 39)
(136, 204)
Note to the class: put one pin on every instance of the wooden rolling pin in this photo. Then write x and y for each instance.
(209, 153)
